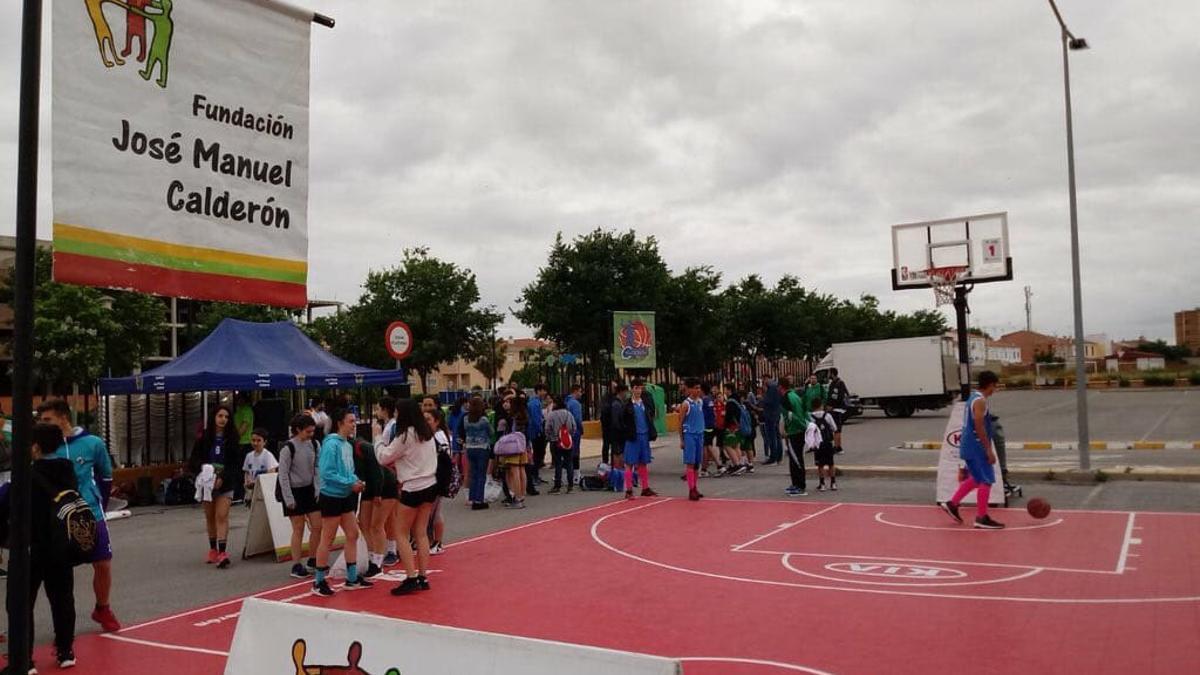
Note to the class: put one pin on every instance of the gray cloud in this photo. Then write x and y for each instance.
(759, 137)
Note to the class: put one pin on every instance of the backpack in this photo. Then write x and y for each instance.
(826, 432)
(511, 444)
(73, 536)
(180, 490)
(746, 425)
(449, 480)
(565, 442)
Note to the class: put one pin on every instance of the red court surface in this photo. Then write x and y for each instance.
(773, 587)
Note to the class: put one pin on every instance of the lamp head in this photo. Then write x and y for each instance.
(1077, 44)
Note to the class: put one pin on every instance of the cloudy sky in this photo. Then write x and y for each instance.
(758, 137)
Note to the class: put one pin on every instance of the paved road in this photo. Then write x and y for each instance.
(1116, 415)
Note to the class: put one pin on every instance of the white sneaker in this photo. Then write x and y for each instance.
(436, 549)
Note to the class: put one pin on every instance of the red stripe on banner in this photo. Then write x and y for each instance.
(88, 271)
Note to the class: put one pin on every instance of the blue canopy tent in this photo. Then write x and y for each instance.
(244, 356)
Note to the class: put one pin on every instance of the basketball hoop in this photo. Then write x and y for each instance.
(943, 280)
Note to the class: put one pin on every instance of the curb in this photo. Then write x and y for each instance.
(1070, 445)
(1071, 476)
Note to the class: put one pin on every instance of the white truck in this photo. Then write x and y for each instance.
(900, 376)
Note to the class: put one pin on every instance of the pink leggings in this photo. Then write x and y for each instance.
(985, 491)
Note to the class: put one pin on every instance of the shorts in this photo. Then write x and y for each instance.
(839, 418)
(391, 487)
(693, 449)
(823, 457)
(103, 550)
(979, 469)
(306, 502)
(732, 440)
(637, 451)
(336, 507)
(416, 498)
(511, 460)
(720, 437)
(709, 435)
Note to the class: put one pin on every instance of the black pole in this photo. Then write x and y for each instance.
(964, 347)
(19, 634)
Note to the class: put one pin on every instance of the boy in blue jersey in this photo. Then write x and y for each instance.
(977, 453)
(94, 472)
(691, 436)
(709, 405)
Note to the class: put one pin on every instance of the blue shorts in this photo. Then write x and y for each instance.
(103, 550)
(637, 451)
(693, 448)
(979, 469)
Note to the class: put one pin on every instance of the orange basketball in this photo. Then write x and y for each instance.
(1038, 508)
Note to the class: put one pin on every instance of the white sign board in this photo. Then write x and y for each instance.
(269, 530)
(949, 461)
(181, 169)
(274, 637)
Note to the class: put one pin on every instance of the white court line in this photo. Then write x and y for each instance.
(543, 521)
(163, 645)
(787, 563)
(934, 505)
(753, 662)
(784, 527)
(1125, 546)
(951, 528)
(877, 591)
(888, 558)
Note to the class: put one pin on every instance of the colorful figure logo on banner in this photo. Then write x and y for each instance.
(636, 339)
(137, 12)
(300, 650)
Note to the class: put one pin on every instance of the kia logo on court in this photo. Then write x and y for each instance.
(895, 570)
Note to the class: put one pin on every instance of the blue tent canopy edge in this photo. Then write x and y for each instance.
(243, 356)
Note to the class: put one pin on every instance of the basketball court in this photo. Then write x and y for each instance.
(762, 587)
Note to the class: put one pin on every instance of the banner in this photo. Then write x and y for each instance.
(180, 148)
(274, 637)
(269, 530)
(949, 462)
(633, 340)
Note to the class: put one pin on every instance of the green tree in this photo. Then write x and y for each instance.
(1169, 352)
(691, 322)
(571, 300)
(213, 313)
(136, 332)
(489, 356)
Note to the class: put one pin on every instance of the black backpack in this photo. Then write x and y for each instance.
(449, 481)
(180, 490)
(826, 432)
(73, 532)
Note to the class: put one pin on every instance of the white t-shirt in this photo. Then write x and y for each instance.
(260, 463)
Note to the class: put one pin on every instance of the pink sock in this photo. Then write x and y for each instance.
(629, 479)
(982, 507)
(963, 488)
(644, 474)
(691, 477)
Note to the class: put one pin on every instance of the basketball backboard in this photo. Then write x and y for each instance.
(978, 243)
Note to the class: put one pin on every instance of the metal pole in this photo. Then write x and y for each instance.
(19, 634)
(1080, 364)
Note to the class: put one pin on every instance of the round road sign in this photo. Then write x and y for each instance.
(399, 340)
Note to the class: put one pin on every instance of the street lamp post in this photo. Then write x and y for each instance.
(1069, 43)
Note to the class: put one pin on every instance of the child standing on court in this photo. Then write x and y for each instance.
(819, 441)
(638, 426)
(691, 437)
(977, 453)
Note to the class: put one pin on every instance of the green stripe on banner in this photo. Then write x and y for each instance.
(171, 262)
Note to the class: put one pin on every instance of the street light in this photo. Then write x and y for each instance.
(1072, 43)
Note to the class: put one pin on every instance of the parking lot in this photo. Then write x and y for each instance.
(1033, 416)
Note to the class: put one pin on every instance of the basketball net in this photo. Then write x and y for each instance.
(943, 281)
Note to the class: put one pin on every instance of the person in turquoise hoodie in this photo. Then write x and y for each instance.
(338, 501)
(94, 472)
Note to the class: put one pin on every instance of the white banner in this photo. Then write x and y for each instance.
(949, 461)
(274, 637)
(270, 531)
(180, 147)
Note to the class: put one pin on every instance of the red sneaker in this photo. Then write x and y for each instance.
(629, 494)
(107, 620)
(647, 492)
(222, 560)
(212, 557)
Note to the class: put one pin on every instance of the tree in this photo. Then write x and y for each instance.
(1169, 352)
(690, 322)
(212, 314)
(489, 357)
(437, 299)
(136, 332)
(582, 282)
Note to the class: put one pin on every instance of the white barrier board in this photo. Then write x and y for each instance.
(949, 462)
(274, 637)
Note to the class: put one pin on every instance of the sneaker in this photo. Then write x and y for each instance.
(212, 557)
(770, 462)
(107, 620)
(322, 589)
(391, 559)
(422, 583)
(694, 495)
(436, 547)
(952, 510)
(533, 491)
(647, 492)
(986, 523)
(479, 506)
(373, 571)
(66, 659)
(705, 473)
(554, 490)
(539, 480)
(311, 563)
(223, 560)
(298, 572)
(837, 450)
(357, 585)
(833, 486)
(821, 487)
(405, 587)
(3, 574)
(629, 494)
(749, 468)
(520, 504)
(740, 470)
(570, 489)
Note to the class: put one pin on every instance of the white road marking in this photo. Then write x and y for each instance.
(1125, 546)
(753, 662)
(163, 645)
(784, 527)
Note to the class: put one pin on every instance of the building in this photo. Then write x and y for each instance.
(1187, 329)
(1132, 359)
(462, 375)
(1064, 350)
(976, 347)
(1031, 344)
(1004, 353)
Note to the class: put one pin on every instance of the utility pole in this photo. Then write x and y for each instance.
(1029, 309)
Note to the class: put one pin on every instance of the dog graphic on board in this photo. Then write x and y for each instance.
(353, 655)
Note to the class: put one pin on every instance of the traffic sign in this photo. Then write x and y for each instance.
(399, 340)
